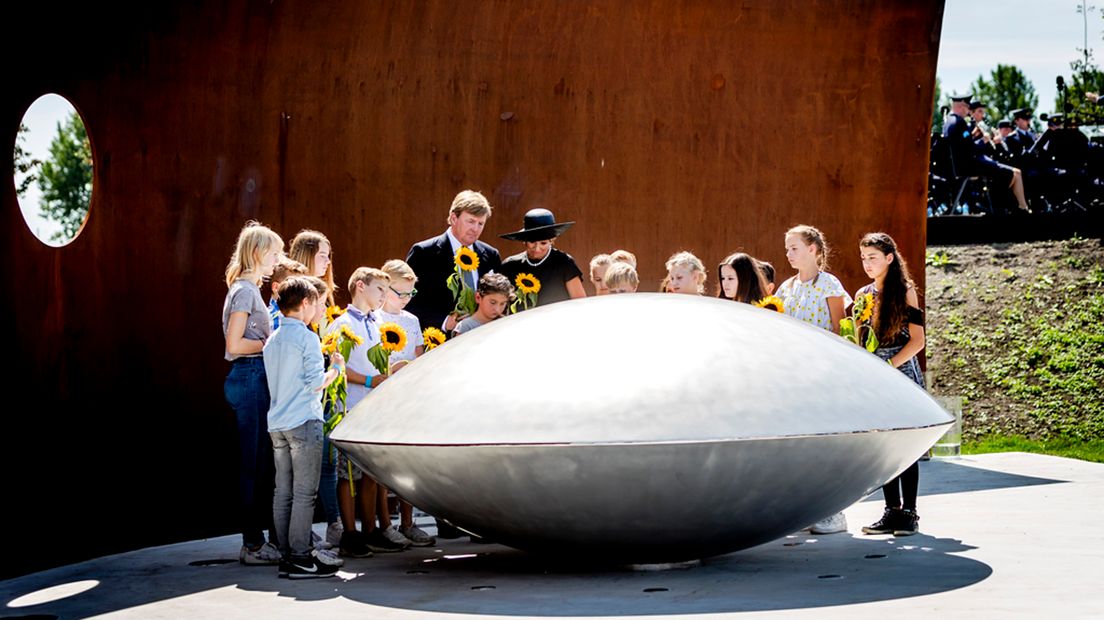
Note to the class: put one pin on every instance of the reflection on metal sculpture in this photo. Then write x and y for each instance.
(641, 428)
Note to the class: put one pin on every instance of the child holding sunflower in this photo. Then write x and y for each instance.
(816, 297)
(492, 298)
(898, 323)
(327, 479)
(368, 288)
(813, 295)
(399, 293)
(296, 376)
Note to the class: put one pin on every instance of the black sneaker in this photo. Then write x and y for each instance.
(908, 523)
(376, 541)
(890, 520)
(308, 567)
(353, 545)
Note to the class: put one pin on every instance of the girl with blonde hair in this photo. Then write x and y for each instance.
(246, 324)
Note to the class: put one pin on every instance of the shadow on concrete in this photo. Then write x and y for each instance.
(790, 573)
(460, 577)
(939, 477)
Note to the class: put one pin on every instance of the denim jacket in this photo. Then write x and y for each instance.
(293, 363)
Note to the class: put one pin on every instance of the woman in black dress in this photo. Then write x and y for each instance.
(560, 278)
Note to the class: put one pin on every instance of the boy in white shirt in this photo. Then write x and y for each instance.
(399, 293)
(368, 288)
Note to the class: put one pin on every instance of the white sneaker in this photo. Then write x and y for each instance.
(333, 534)
(327, 557)
(417, 537)
(265, 555)
(830, 525)
(394, 536)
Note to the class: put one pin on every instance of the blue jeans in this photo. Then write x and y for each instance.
(298, 457)
(246, 390)
(327, 482)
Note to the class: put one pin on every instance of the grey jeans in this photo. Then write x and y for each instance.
(298, 457)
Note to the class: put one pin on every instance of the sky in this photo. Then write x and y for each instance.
(41, 119)
(1041, 37)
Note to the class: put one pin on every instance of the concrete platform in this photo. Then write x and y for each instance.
(1003, 535)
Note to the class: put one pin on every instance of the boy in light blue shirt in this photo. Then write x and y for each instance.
(294, 367)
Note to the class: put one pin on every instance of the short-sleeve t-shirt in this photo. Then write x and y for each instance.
(914, 316)
(245, 296)
(410, 325)
(467, 325)
(557, 269)
(808, 301)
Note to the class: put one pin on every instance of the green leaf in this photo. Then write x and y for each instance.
(872, 342)
(466, 302)
(847, 329)
(453, 283)
(332, 423)
(378, 357)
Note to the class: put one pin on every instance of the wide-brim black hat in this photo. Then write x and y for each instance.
(539, 225)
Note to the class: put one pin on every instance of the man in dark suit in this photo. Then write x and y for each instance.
(433, 260)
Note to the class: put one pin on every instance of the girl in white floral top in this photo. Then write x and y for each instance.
(813, 295)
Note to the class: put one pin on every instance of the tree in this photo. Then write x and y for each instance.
(24, 164)
(1087, 78)
(66, 179)
(1006, 89)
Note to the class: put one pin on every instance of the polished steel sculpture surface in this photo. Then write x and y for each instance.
(641, 428)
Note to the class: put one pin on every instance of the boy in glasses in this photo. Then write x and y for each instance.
(399, 293)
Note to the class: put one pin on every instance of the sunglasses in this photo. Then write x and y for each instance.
(412, 293)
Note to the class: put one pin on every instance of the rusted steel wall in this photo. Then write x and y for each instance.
(658, 126)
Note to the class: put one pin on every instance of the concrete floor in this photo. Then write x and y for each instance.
(1003, 535)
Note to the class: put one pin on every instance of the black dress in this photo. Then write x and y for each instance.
(557, 269)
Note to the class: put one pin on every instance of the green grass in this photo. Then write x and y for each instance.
(1090, 450)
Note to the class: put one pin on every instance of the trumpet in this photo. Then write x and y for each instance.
(983, 131)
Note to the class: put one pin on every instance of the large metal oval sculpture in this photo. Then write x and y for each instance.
(641, 428)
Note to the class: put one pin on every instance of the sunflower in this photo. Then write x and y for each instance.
(333, 312)
(527, 283)
(433, 338)
(329, 343)
(350, 335)
(466, 259)
(867, 308)
(770, 302)
(392, 337)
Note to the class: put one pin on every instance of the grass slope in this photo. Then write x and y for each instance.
(1017, 330)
